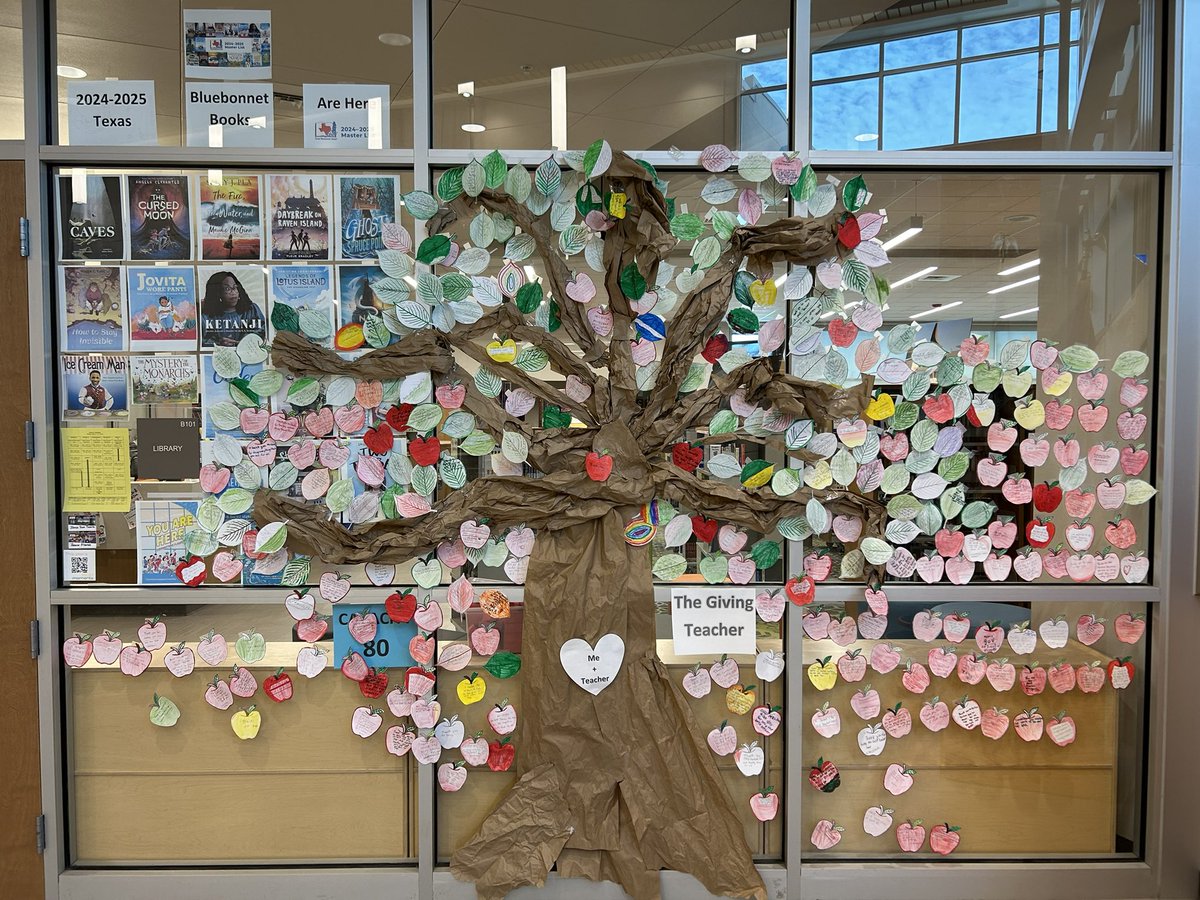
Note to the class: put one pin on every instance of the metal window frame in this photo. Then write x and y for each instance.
(1171, 851)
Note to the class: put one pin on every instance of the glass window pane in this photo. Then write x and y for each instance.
(210, 790)
(673, 81)
(999, 98)
(920, 51)
(918, 109)
(1116, 108)
(844, 63)
(12, 73)
(144, 42)
(1014, 34)
(763, 120)
(768, 73)
(846, 115)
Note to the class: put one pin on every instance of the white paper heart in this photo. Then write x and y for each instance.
(593, 669)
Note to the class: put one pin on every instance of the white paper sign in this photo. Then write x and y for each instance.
(230, 115)
(712, 620)
(347, 115)
(113, 113)
(229, 44)
(79, 565)
(593, 668)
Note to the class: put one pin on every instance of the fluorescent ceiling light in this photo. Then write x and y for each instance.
(913, 277)
(473, 127)
(1019, 312)
(747, 43)
(558, 107)
(936, 309)
(71, 72)
(1020, 267)
(915, 226)
(392, 39)
(466, 88)
(1015, 284)
(866, 136)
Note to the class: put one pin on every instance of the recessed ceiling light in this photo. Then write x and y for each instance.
(936, 309)
(747, 43)
(915, 226)
(1019, 312)
(473, 127)
(71, 72)
(393, 39)
(1015, 284)
(913, 277)
(866, 136)
(1020, 219)
(1020, 267)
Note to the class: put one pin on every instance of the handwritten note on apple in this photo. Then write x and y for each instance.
(593, 668)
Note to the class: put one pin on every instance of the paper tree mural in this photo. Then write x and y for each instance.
(592, 394)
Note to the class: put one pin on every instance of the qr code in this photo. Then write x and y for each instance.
(79, 565)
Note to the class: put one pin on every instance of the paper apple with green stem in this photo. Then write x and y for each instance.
(246, 723)
(768, 665)
(1120, 672)
(135, 659)
(722, 740)
(366, 721)
(374, 684)
(334, 586)
(1061, 730)
(312, 629)
(503, 718)
(163, 712)
(180, 660)
(399, 739)
(217, 694)
(910, 835)
(935, 714)
(598, 464)
(452, 775)
(242, 682)
(877, 820)
(765, 804)
(826, 834)
(107, 647)
(363, 626)
(418, 680)
(824, 776)
(697, 681)
(765, 720)
(956, 627)
(426, 710)
(826, 720)
(485, 639)
(944, 838)
(300, 604)
(1061, 676)
(1129, 627)
(77, 650)
(251, 646)
(897, 721)
(865, 702)
(994, 723)
(354, 666)
(898, 778)
(1029, 725)
(1090, 677)
(153, 634)
(501, 755)
(450, 733)
(278, 686)
(474, 749)
(311, 661)
(401, 606)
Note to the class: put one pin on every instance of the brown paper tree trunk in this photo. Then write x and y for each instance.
(615, 786)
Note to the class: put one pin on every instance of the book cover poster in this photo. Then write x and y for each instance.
(220, 412)
(160, 528)
(357, 300)
(299, 211)
(302, 301)
(160, 217)
(232, 304)
(162, 308)
(366, 203)
(92, 308)
(164, 379)
(94, 386)
(89, 217)
(230, 219)
(229, 44)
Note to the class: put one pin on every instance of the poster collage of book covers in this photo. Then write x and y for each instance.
(159, 272)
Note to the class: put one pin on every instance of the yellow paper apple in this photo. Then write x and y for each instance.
(1017, 384)
(471, 689)
(502, 351)
(1059, 385)
(246, 723)
(881, 407)
(823, 674)
(818, 476)
(1031, 415)
(764, 292)
(616, 204)
(740, 700)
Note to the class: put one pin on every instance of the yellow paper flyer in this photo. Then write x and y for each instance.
(95, 469)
